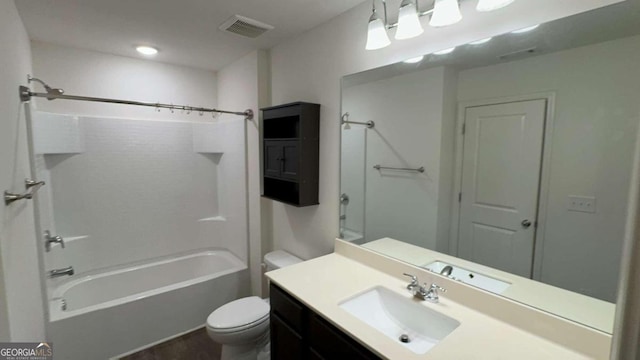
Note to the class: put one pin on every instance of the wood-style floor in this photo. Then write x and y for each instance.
(195, 345)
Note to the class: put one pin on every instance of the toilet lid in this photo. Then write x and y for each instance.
(238, 313)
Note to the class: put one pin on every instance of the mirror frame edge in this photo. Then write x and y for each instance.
(626, 329)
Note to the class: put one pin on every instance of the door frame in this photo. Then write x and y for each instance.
(545, 174)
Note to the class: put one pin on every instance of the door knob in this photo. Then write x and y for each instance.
(525, 223)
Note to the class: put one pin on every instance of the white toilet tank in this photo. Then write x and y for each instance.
(279, 259)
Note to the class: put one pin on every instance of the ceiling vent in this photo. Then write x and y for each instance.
(244, 26)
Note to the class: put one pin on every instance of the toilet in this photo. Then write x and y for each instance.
(242, 326)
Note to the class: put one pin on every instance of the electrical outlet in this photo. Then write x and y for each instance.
(585, 204)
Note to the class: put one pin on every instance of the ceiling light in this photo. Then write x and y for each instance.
(147, 50)
(490, 5)
(524, 30)
(445, 12)
(481, 41)
(414, 60)
(408, 22)
(377, 37)
(445, 51)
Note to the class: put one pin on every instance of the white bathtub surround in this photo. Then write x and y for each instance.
(129, 190)
(112, 312)
(141, 203)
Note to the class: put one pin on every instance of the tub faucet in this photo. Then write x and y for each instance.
(422, 292)
(61, 272)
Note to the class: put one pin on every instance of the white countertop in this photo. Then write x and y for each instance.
(324, 282)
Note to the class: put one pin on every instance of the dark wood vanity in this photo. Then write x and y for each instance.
(299, 333)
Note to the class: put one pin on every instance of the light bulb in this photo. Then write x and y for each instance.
(414, 60)
(524, 30)
(445, 12)
(490, 5)
(146, 50)
(445, 51)
(377, 37)
(408, 22)
(481, 41)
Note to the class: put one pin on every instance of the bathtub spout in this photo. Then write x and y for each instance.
(61, 272)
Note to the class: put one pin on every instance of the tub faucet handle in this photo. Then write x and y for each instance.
(50, 239)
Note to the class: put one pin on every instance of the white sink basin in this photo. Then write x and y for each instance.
(470, 277)
(395, 315)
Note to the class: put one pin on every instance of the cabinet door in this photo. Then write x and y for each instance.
(290, 161)
(330, 343)
(273, 158)
(286, 344)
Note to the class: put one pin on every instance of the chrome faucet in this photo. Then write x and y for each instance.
(421, 292)
(50, 239)
(61, 272)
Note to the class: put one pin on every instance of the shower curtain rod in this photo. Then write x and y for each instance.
(52, 94)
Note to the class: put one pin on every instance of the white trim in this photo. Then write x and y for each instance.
(545, 174)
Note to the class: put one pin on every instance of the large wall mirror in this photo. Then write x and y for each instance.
(504, 163)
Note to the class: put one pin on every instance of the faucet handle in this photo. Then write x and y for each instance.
(414, 279)
(432, 294)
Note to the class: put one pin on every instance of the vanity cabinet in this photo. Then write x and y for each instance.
(299, 333)
(290, 143)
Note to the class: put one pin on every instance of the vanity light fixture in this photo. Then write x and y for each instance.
(481, 41)
(377, 37)
(146, 50)
(490, 5)
(408, 22)
(525, 30)
(445, 13)
(445, 51)
(414, 60)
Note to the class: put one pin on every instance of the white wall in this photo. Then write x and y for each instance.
(309, 68)
(90, 73)
(594, 134)
(244, 85)
(121, 190)
(21, 306)
(412, 126)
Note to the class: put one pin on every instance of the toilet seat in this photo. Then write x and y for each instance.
(239, 315)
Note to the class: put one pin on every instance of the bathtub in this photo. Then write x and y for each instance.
(106, 314)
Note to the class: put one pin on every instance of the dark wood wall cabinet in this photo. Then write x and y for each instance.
(291, 149)
(298, 333)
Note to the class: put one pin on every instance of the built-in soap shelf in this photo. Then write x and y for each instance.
(57, 134)
(213, 219)
(69, 239)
